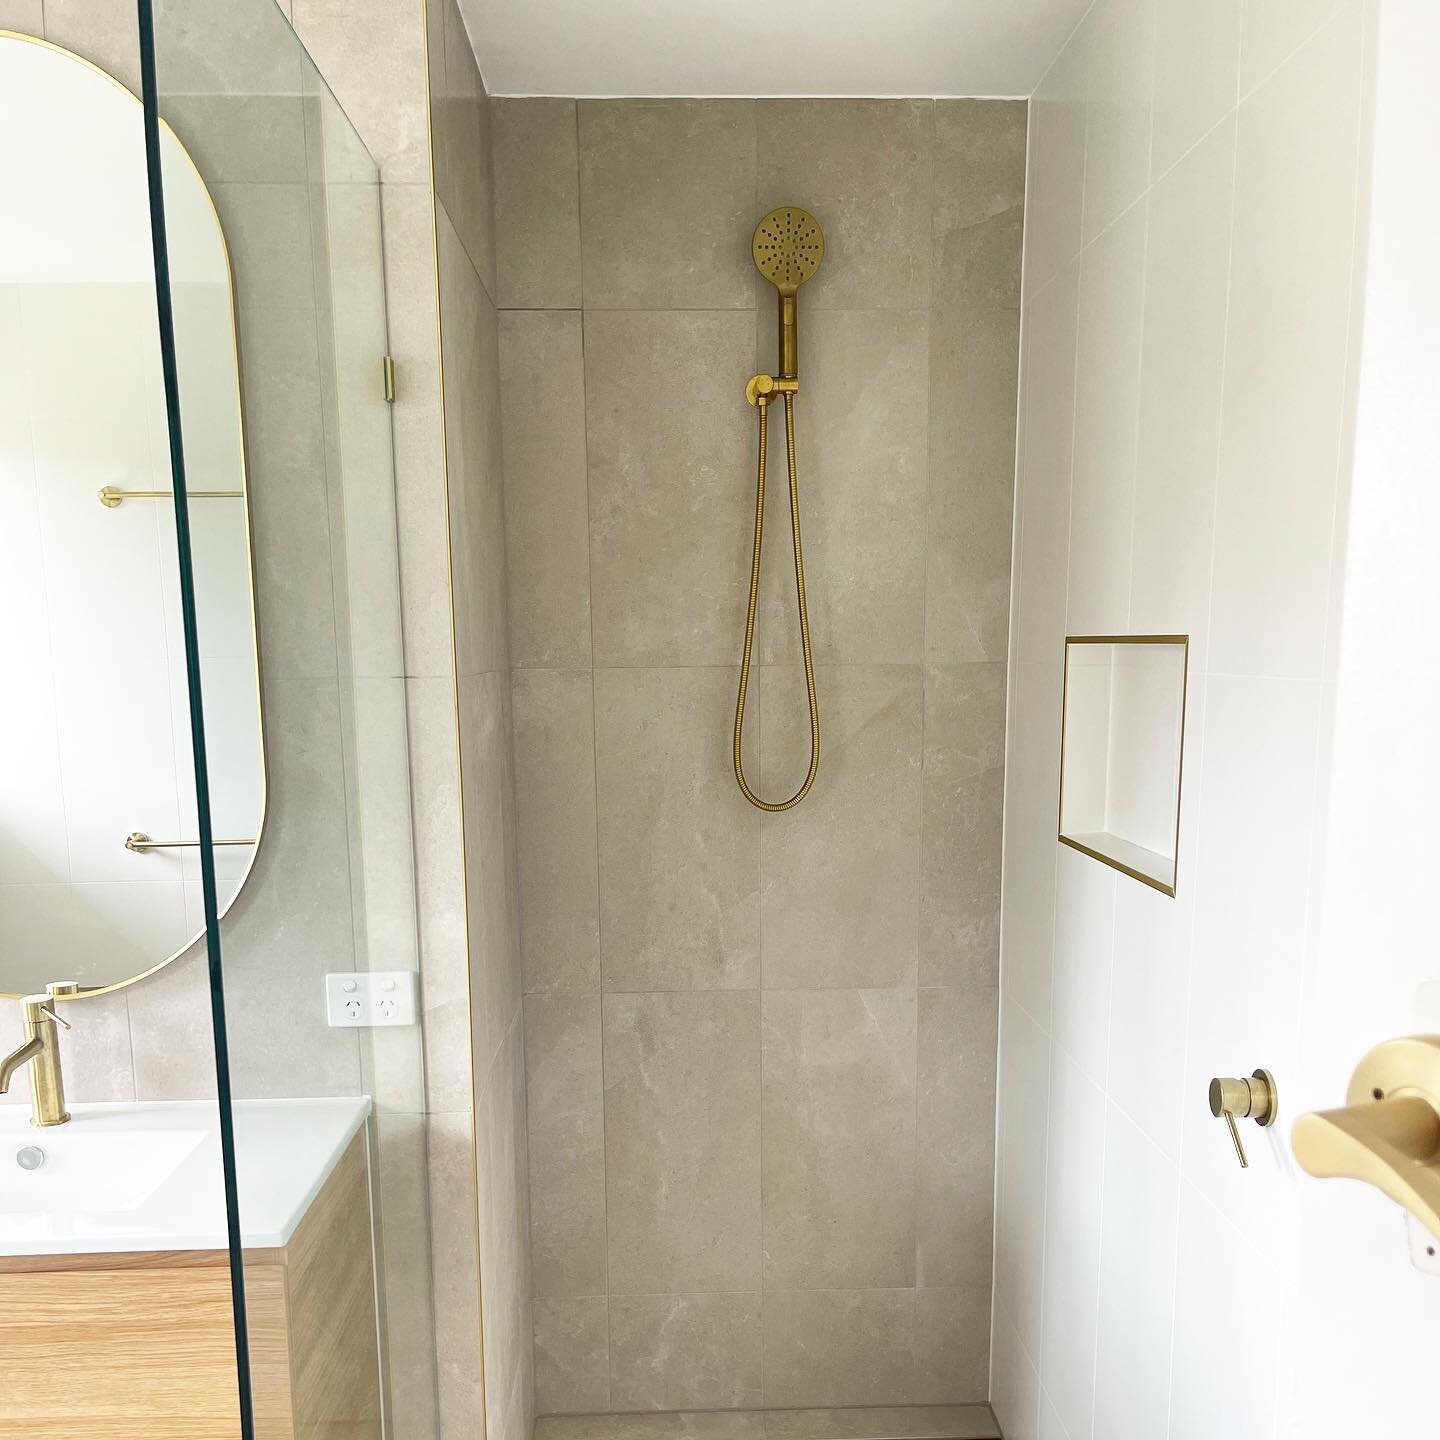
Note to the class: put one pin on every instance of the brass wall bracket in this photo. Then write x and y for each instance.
(1245, 1098)
(762, 389)
(1388, 1133)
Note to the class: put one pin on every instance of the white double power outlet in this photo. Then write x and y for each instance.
(370, 997)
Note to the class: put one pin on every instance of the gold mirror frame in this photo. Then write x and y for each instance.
(264, 775)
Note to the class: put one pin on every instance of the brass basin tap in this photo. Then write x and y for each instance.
(41, 1051)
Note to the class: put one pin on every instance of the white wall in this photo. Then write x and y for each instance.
(1190, 331)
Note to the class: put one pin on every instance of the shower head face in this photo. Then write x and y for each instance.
(788, 247)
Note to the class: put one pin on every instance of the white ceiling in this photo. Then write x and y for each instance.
(794, 47)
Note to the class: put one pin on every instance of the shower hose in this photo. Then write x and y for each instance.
(799, 795)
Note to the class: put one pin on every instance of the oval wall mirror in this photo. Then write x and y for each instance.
(99, 869)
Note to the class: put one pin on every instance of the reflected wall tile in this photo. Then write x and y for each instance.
(840, 874)
(979, 203)
(839, 1347)
(504, 1225)
(679, 858)
(456, 1271)
(572, 1355)
(471, 367)
(372, 52)
(440, 891)
(547, 520)
(682, 1141)
(667, 188)
(964, 782)
(491, 889)
(861, 435)
(862, 168)
(974, 365)
(460, 133)
(419, 446)
(839, 1139)
(556, 828)
(952, 1346)
(170, 1030)
(958, 1037)
(671, 1352)
(399, 1155)
(537, 202)
(671, 509)
(565, 1085)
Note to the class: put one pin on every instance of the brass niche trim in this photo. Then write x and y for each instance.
(79, 993)
(1181, 641)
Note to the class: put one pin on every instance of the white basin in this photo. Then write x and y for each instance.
(148, 1177)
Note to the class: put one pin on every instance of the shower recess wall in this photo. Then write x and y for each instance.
(759, 1049)
(1194, 285)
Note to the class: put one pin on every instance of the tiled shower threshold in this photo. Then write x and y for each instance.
(891, 1422)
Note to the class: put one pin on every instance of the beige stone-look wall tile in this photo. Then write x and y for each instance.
(556, 834)
(491, 889)
(862, 168)
(171, 1035)
(455, 1262)
(861, 444)
(839, 1347)
(862, 1422)
(289, 506)
(407, 1288)
(962, 815)
(952, 1346)
(460, 131)
(409, 220)
(671, 484)
(501, 1157)
(372, 53)
(566, 1087)
(537, 202)
(679, 858)
(104, 32)
(840, 873)
(682, 1141)
(955, 1146)
(979, 203)
(254, 138)
(572, 1355)
(974, 365)
(547, 516)
(839, 1139)
(667, 191)
(667, 1425)
(268, 237)
(26, 17)
(470, 357)
(670, 1352)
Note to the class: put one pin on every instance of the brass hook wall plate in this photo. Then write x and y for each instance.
(1388, 1134)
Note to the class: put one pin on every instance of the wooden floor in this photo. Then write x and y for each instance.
(898, 1422)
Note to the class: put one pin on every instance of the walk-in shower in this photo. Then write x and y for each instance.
(788, 247)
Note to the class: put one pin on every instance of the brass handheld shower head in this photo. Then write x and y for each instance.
(787, 248)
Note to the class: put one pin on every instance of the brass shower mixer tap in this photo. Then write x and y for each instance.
(762, 389)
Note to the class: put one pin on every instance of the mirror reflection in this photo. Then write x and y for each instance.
(99, 867)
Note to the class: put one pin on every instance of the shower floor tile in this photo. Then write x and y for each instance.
(897, 1422)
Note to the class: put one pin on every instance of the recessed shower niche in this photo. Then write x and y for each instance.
(1122, 752)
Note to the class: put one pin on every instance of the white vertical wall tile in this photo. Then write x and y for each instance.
(1055, 184)
(1286, 359)
(1197, 65)
(1117, 109)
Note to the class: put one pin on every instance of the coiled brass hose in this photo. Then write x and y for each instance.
(763, 404)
